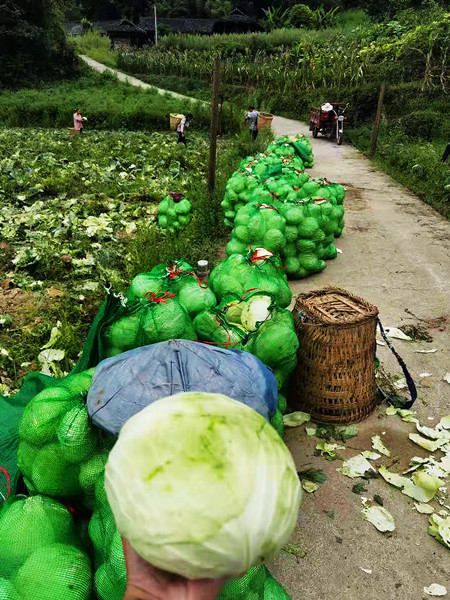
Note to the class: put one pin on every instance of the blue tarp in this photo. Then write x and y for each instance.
(127, 383)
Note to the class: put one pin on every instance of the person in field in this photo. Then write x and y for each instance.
(252, 116)
(181, 129)
(78, 121)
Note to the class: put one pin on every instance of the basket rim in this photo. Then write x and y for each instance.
(318, 318)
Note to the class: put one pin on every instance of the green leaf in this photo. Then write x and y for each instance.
(358, 488)
(314, 475)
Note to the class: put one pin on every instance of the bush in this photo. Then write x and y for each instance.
(301, 15)
(425, 124)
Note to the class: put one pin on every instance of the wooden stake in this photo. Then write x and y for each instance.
(376, 127)
(214, 125)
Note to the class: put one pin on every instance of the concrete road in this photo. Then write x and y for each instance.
(395, 254)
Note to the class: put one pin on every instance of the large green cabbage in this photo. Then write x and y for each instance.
(211, 488)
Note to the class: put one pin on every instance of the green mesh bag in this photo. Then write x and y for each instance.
(258, 269)
(41, 556)
(256, 584)
(156, 318)
(174, 212)
(213, 327)
(277, 423)
(60, 452)
(275, 343)
(110, 579)
(176, 277)
(237, 193)
(259, 225)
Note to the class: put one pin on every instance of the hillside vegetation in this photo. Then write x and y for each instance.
(286, 71)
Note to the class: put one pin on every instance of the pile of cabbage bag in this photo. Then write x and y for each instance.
(174, 212)
(42, 556)
(301, 232)
(60, 453)
(252, 172)
(291, 146)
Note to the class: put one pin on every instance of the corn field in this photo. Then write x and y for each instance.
(331, 60)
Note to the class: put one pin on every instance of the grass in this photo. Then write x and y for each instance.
(107, 104)
(96, 45)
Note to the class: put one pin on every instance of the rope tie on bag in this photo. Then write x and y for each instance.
(8, 483)
(225, 344)
(175, 271)
(268, 205)
(159, 297)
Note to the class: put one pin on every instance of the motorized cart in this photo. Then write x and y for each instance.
(328, 120)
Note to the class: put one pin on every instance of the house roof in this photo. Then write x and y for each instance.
(183, 25)
(114, 26)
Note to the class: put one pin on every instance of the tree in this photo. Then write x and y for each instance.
(219, 8)
(33, 45)
(301, 15)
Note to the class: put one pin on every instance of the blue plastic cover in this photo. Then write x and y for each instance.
(125, 384)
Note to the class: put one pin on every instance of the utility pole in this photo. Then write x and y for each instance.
(376, 128)
(156, 25)
(214, 125)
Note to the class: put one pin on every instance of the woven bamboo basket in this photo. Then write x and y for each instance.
(334, 379)
(175, 121)
(264, 120)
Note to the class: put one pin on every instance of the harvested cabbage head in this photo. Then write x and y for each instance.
(256, 310)
(210, 490)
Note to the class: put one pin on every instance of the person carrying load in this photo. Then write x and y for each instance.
(78, 121)
(184, 122)
(252, 116)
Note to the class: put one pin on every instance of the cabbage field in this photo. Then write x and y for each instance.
(77, 215)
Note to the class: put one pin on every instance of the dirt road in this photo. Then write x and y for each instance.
(395, 254)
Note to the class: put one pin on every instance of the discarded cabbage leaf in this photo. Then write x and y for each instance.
(391, 410)
(370, 455)
(434, 434)
(447, 377)
(423, 508)
(439, 528)
(427, 444)
(444, 423)
(379, 517)
(394, 332)
(296, 419)
(355, 467)
(310, 486)
(406, 414)
(310, 431)
(422, 488)
(435, 590)
(328, 450)
(346, 433)
(377, 444)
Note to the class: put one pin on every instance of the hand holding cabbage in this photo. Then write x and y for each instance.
(211, 488)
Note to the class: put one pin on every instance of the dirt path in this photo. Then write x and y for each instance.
(395, 254)
(101, 68)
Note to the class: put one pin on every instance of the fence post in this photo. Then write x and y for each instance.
(376, 127)
(214, 125)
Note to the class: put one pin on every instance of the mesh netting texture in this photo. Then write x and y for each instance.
(41, 552)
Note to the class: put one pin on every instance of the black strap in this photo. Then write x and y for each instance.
(409, 380)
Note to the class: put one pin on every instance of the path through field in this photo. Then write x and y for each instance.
(395, 254)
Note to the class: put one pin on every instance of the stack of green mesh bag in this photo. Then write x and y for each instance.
(174, 212)
(301, 231)
(252, 172)
(42, 554)
(60, 453)
(292, 145)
